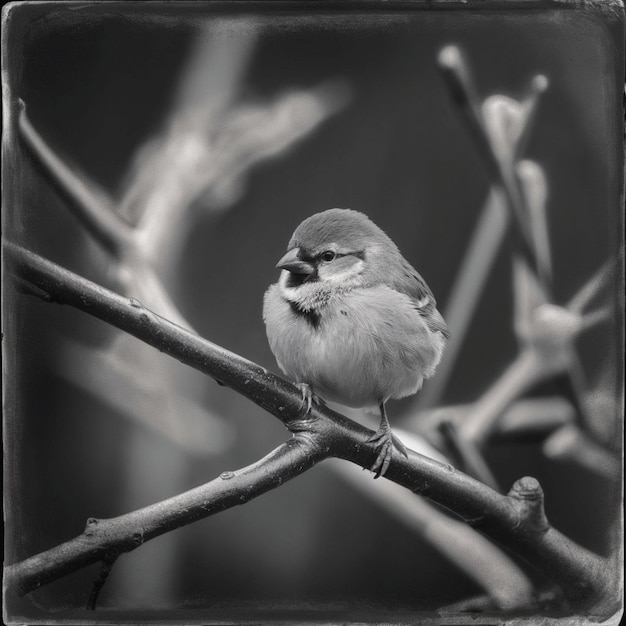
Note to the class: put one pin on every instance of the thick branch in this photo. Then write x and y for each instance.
(515, 521)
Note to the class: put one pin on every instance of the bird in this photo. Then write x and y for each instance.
(351, 321)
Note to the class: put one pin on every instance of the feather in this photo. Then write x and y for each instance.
(435, 322)
(410, 282)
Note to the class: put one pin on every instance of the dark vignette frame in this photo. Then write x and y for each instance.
(611, 14)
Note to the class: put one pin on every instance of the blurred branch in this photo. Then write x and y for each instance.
(523, 418)
(549, 420)
(467, 454)
(499, 127)
(547, 600)
(93, 209)
(482, 418)
(198, 430)
(516, 520)
(534, 418)
(483, 562)
(175, 166)
(546, 333)
(96, 212)
(535, 192)
(467, 289)
(581, 299)
(140, 278)
(569, 443)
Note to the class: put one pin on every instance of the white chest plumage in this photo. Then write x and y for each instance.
(360, 348)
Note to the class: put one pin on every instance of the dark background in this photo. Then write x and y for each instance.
(98, 81)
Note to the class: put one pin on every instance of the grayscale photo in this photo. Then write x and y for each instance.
(313, 312)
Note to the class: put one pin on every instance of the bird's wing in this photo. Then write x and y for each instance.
(409, 282)
(435, 322)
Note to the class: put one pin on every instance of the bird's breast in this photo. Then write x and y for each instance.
(362, 347)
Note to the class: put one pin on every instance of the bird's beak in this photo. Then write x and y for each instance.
(292, 263)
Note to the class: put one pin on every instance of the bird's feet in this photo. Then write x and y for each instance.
(384, 442)
(308, 397)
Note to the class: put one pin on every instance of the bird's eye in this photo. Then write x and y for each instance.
(328, 256)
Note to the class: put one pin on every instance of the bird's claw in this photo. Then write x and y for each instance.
(383, 460)
(308, 397)
(384, 442)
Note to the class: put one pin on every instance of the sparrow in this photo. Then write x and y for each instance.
(351, 321)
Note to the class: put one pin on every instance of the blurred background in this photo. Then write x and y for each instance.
(215, 131)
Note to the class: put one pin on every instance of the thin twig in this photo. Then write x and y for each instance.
(91, 208)
(515, 521)
(581, 299)
(107, 565)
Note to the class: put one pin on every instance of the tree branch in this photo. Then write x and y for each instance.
(515, 521)
(460, 84)
(104, 539)
(466, 452)
(467, 290)
(107, 565)
(92, 209)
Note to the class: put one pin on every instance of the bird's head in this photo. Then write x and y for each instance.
(333, 252)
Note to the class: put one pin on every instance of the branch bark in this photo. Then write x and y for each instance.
(516, 521)
(105, 539)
